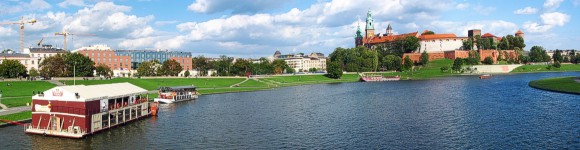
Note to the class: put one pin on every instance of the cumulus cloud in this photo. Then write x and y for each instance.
(67, 3)
(526, 11)
(33, 5)
(239, 6)
(551, 5)
(549, 20)
(496, 27)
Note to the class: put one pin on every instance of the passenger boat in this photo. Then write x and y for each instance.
(79, 110)
(485, 76)
(375, 78)
(176, 94)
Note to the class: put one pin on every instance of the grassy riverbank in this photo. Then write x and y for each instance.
(153, 84)
(564, 85)
(17, 116)
(544, 68)
(431, 70)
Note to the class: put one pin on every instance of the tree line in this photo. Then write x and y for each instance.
(228, 66)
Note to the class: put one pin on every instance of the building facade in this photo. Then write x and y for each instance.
(126, 61)
(303, 63)
(24, 59)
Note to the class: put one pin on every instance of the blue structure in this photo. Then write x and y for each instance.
(139, 56)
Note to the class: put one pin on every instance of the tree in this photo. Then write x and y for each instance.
(524, 59)
(280, 65)
(53, 66)
(186, 74)
(241, 67)
(577, 59)
(312, 70)
(170, 67)
(7, 51)
(148, 68)
(333, 70)
(12, 69)
(538, 54)
(392, 62)
(263, 67)
(408, 63)
(411, 44)
(33, 72)
(488, 60)
(557, 56)
(201, 64)
(473, 58)
(468, 44)
(424, 58)
(556, 64)
(428, 33)
(79, 63)
(103, 70)
(457, 64)
(223, 65)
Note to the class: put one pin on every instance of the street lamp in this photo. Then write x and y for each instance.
(75, 73)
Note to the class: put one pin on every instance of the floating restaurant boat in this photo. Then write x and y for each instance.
(79, 110)
(374, 78)
(176, 94)
(485, 76)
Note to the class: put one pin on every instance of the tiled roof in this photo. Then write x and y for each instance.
(487, 35)
(14, 55)
(437, 36)
(519, 32)
(383, 39)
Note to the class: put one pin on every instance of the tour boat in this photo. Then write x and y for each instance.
(78, 110)
(374, 78)
(176, 94)
(485, 76)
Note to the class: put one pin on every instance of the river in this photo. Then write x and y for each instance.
(461, 112)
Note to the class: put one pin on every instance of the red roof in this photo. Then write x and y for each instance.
(390, 38)
(487, 35)
(437, 36)
(519, 32)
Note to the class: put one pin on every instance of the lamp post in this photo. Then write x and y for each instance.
(75, 73)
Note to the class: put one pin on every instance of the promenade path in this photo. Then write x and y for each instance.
(13, 110)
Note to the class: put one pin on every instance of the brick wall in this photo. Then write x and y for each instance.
(108, 58)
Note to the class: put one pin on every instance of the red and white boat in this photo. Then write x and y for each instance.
(176, 94)
(79, 110)
(375, 78)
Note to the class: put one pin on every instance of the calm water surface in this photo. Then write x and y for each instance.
(452, 113)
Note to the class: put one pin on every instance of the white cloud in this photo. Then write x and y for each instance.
(526, 11)
(462, 6)
(555, 18)
(164, 23)
(67, 3)
(33, 5)
(240, 6)
(496, 27)
(484, 10)
(549, 20)
(551, 5)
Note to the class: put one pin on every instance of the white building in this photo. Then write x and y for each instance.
(37, 55)
(24, 59)
(435, 43)
(303, 63)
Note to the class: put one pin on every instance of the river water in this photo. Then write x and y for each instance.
(452, 113)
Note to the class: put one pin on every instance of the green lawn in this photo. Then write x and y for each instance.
(17, 116)
(15, 102)
(254, 83)
(228, 90)
(23, 88)
(152, 84)
(431, 70)
(566, 85)
(544, 68)
(311, 79)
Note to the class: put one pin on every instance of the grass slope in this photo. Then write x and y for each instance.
(23, 88)
(17, 116)
(152, 84)
(544, 68)
(431, 70)
(564, 85)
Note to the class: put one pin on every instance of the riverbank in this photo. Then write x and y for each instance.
(563, 85)
(546, 68)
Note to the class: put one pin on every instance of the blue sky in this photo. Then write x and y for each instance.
(257, 28)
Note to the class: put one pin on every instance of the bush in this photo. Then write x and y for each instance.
(444, 69)
(488, 60)
(556, 64)
(333, 70)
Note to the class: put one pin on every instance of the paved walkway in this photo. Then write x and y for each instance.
(56, 82)
(14, 110)
(238, 84)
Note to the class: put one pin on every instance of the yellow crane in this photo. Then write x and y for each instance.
(65, 34)
(21, 23)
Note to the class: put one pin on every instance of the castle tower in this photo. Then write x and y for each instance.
(473, 32)
(370, 29)
(520, 34)
(358, 37)
(389, 30)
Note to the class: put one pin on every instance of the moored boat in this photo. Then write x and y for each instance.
(376, 78)
(79, 110)
(176, 94)
(485, 76)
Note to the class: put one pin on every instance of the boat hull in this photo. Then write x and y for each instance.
(169, 101)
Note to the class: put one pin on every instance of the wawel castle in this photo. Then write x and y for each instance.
(438, 46)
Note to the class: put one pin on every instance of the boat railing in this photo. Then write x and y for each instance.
(70, 131)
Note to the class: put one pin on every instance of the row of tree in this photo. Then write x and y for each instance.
(509, 42)
(226, 66)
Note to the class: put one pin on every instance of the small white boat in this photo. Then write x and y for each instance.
(176, 94)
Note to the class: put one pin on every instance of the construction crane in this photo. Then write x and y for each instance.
(21, 23)
(65, 34)
(40, 41)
